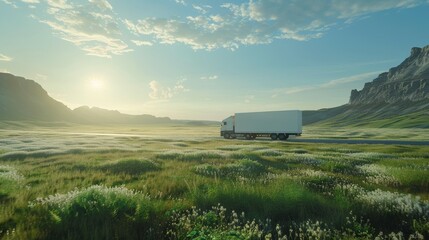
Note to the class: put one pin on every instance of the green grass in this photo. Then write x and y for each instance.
(130, 166)
(393, 116)
(97, 212)
(283, 201)
(175, 182)
(365, 132)
(241, 168)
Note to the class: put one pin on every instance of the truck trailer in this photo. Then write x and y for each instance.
(274, 124)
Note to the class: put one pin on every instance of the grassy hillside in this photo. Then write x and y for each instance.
(405, 114)
(412, 120)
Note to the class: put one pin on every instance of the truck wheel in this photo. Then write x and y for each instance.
(282, 136)
(253, 136)
(286, 136)
(248, 136)
(273, 136)
(226, 136)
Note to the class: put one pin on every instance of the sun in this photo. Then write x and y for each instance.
(96, 84)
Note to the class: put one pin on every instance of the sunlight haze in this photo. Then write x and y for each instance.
(96, 84)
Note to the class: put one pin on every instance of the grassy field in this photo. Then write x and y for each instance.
(181, 131)
(65, 181)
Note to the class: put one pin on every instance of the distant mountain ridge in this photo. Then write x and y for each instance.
(26, 100)
(397, 98)
(100, 115)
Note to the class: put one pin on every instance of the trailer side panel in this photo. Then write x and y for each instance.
(269, 122)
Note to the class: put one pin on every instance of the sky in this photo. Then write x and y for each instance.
(205, 60)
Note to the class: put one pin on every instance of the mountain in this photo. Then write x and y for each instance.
(22, 99)
(408, 81)
(26, 100)
(86, 114)
(397, 98)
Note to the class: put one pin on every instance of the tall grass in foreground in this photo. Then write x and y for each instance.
(100, 212)
(96, 212)
(218, 223)
(283, 202)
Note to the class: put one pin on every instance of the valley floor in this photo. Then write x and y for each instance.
(186, 182)
(209, 131)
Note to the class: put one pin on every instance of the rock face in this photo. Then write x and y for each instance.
(398, 98)
(409, 81)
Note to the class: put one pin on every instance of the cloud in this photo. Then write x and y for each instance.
(142, 43)
(102, 4)
(213, 77)
(329, 84)
(60, 4)
(202, 9)
(260, 22)
(298, 89)
(93, 27)
(131, 26)
(9, 2)
(200, 32)
(249, 98)
(5, 58)
(182, 2)
(159, 92)
(354, 78)
(31, 1)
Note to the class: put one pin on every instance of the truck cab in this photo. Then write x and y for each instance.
(227, 127)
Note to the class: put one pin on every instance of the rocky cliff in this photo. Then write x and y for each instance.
(398, 98)
(409, 81)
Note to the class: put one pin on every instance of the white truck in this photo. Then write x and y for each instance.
(275, 124)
